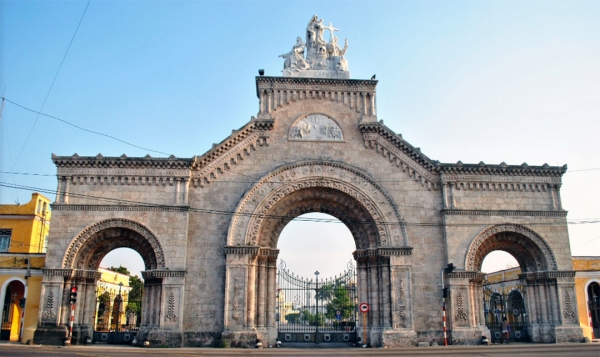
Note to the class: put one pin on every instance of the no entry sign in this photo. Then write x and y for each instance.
(363, 307)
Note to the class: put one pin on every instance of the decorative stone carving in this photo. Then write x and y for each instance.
(461, 315)
(569, 312)
(319, 178)
(526, 244)
(170, 315)
(316, 127)
(84, 247)
(48, 314)
(323, 59)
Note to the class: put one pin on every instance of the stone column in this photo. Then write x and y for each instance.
(271, 286)
(445, 195)
(385, 292)
(374, 292)
(262, 287)
(461, 311)
(251, 295)
(451, 185)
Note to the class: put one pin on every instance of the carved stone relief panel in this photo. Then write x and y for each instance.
(401, 304)
(460, 308)
(236, 297)
(316, 127)
(171, 314)
(50, 304)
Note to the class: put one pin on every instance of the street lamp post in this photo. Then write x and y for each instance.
(317, 313)
(119, 302)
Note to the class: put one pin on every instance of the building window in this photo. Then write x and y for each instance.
(5, 239)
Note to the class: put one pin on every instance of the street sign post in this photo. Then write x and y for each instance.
(364, 308)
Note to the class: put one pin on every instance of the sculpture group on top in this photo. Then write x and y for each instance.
(323, 59)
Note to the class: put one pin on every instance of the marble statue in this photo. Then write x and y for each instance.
(323, 59)
(294, 60)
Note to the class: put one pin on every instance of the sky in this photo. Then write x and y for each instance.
(491, 81)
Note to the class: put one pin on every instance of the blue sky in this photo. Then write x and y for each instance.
(492, 81)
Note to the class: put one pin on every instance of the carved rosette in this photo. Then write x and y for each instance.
(530, 243)
(260, 200)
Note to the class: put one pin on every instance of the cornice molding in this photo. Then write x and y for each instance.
(69, 207)
(401, 156)
(277, 92)
(379, 137)
(251, 250)
(472, 275)
(397, 142)
(240, 144)
(73, 273)
(540, 275)
(161, 273)
(381, 252)
(121, 162)
(316, 84)
(508, 213)
(501, 170)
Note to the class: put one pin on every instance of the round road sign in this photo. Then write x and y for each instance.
(363, 307)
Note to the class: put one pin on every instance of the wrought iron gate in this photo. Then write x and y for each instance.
(117, 319)
(316, 310)
(499, 304)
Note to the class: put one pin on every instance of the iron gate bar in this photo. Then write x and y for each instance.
(316, 310)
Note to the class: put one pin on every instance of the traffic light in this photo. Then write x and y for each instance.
(73, 295)
(22, 302)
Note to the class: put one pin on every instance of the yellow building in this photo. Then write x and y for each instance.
(587, 289)
(112, 299)
(23, 232)
(502, 284)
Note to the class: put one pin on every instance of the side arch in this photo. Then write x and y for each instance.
(322, 182)
(528, 247)
(91, 245)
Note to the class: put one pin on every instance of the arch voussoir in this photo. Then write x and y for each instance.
(529, 248)
(324, 186)
(91, 245)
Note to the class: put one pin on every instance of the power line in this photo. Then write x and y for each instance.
(270, 216)
(81, 128)
(51, 85)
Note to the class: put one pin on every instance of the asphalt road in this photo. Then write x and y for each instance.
(549, 350)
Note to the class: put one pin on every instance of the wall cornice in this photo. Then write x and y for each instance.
(508, 213)
(140, 207)
(240, 144)
(161, 273)
(122, 162)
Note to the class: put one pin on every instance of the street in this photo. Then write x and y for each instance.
(549, 350)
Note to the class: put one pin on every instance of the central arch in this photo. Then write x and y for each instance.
(348, 193)
(328, 187)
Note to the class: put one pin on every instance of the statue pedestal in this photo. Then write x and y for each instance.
(309, 73)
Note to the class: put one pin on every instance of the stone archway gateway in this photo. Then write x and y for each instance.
(207, 226)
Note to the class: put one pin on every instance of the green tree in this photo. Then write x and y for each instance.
(121, 270)
(292, 318)
(137, 288)
(341, 302)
